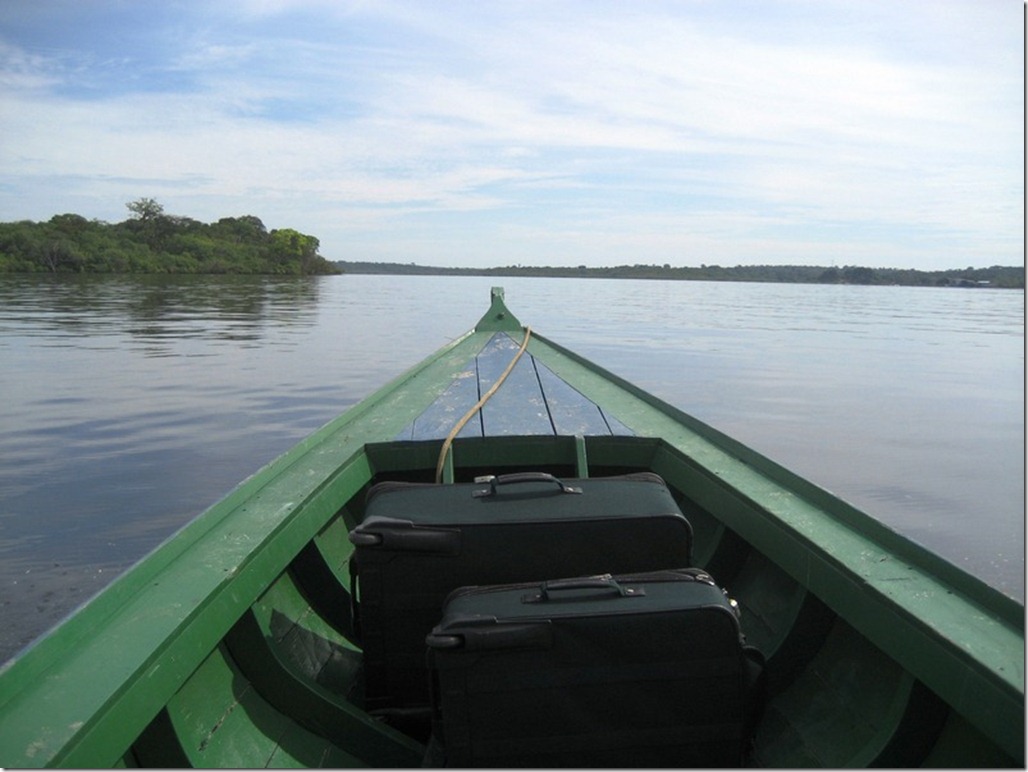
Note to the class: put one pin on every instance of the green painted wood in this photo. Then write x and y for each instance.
(292, 661)
(300, 635)
(220, 720)
(500, 453)
(961, 746)
(842, 712)
(581, 457)
(326, 592)
(158, 746)
(498, 318)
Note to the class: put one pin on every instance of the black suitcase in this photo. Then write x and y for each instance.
(647, 670)
(419, 542)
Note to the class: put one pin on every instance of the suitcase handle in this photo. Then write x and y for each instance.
(606, 584)
(491, 635)
(523, 477)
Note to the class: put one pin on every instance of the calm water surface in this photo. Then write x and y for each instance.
(129, 405)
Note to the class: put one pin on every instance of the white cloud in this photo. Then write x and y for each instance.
(666, 127)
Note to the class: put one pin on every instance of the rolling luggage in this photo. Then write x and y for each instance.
(418, 542)
(646, 670)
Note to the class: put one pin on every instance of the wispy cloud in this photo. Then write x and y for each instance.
(599, 133)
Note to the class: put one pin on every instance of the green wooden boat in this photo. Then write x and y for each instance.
(231, 645)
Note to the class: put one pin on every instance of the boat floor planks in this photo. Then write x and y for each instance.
(533, 400)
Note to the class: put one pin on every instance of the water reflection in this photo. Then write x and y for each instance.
(156, 312)
(114, 434)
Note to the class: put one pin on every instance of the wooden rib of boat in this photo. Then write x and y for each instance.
(231, 645)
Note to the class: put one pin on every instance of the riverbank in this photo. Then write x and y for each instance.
(994, 277)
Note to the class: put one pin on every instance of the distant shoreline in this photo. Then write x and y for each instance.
(994, 277)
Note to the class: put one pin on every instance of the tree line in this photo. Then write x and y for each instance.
(994, 276)
(151, 241)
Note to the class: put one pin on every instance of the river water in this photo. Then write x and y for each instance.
(131, 404)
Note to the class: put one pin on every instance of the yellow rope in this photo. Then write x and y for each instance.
(478, 406)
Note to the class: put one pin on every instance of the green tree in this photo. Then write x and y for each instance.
(152, 223)
(61, 255)
(243, 230)
(294, 251)
(853, 274)
(830, 276)
(155, 242)
(145, 209)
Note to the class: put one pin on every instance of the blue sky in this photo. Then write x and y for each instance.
(533, 132)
